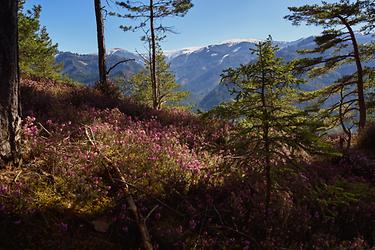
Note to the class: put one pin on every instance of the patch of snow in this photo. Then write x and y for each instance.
(82, 62)
(236, 50)
(171, 54)
(114, 51)
(214, 54)
(222, 59)
(233, 42)
(286, 44)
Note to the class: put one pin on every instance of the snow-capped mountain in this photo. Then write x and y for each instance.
(197, 69)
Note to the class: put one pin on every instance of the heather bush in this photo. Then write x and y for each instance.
(187, 181)
(367, 139)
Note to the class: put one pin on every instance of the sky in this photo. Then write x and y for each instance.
(71, 24)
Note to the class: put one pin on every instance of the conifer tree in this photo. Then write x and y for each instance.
(148, 13)
(36, 49)
(338, 41)
(168, 89)
(270, 126)
(370, 14)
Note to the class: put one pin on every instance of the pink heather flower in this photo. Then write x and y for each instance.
(192, 224)
(179, 229)
(63, 227)
(153, 158)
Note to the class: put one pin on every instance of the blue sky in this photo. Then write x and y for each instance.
(71, 24)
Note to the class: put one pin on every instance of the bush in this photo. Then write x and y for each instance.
(367, 139)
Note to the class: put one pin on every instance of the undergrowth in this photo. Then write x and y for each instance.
(186, 182)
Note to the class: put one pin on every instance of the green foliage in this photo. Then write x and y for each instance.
(169, 94)
(370, 13)
(37, 51)
(265, 108)
(148, 13)
(338, 41)
(140, 10)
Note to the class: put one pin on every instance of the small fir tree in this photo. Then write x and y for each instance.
(148, 13)
(169, 94)
(270, 125)
(36, 49)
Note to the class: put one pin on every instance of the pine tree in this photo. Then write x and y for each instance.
(148, 13)
(270, 126)
(370, 14)
(339, 43)
(169, 94)
(10, 120)
(37, 51)
(101, 46)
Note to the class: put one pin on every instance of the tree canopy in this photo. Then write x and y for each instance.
(36, 49)
(341, 22)
(170, 95)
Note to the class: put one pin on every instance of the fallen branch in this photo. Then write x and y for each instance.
(17, 176)
(150, 213)
(153, 197)
(141, 223)
(49, 133)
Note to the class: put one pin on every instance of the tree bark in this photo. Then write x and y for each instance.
(10, 121)
(360, 81)
(153, 58)
(101, 45)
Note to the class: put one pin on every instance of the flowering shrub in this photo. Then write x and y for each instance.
(183, 174)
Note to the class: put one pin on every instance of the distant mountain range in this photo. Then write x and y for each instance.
(84, 68)
(197, 69)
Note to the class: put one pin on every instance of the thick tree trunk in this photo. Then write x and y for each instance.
(153, 58)
(360, 81)
(101, 45)
(9, 83)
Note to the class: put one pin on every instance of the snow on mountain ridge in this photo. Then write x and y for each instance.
(170, 54)
(236, 41)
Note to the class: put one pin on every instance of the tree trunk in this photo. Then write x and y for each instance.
(266, 139)
(101, 45)
(153, 58)
(360, 81)
(10, 120)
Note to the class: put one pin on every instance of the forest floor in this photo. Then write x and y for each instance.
(85, 154)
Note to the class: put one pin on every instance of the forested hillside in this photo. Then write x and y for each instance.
(197, 70)
(283, 159)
